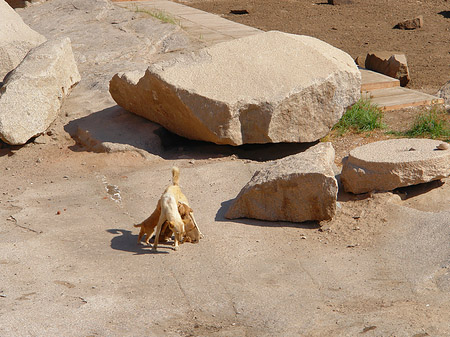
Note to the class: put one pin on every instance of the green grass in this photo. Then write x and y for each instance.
(360, 117)
(160, 15)
(430, 124)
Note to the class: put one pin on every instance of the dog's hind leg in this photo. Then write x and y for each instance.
(158, 231)
(191, 214)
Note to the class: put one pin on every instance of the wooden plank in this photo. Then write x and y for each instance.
(399, 98)
(371, 80)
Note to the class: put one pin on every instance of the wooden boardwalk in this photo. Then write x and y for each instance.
(210, 29)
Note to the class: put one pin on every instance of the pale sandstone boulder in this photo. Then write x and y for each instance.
(388, 164)
(16, 39)
(266, 88)
(32, 94)
(392, 64)
(297, 188)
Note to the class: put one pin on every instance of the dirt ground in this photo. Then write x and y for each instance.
(358, 28)
(70, 265)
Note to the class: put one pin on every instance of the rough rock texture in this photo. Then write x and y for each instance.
(297, 188)
(392, 64)
(410, 24)
(266, 88)
(16, 39)
(386, 165)
(32, 94)
(444, 92)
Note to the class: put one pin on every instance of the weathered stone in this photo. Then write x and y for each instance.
(340, 2)
(32, 94)
(410, 24)
(266, 88)
(388, 164)
(444, 92)
(16, 39)
(392, 64)
(297, 188)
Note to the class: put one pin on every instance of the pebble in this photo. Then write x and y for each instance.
(443, 146)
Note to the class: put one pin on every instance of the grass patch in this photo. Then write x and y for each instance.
(360, 117)
(160, 15)
(430, 124)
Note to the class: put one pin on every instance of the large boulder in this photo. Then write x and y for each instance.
(392, 64)
(297, 188)
(389, 164)
(32, 94)
(16, 39)
(266, 88)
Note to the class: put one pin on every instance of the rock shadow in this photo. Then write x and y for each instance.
(116, 129)
(408, 192)
(127, 242)
(220, 217)
(445, 14)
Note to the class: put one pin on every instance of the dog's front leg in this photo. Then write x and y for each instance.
(158, 232)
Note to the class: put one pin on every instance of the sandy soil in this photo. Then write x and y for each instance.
(69, 260)
(358, 28)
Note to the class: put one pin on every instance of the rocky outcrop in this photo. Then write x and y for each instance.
(297, 188)
(392, 64)
(386, 165)
(32, 94)
(266, 88)
(16, 39)
(410, 24)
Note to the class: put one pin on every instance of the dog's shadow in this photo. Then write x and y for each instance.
(220, 217)
(127, 242)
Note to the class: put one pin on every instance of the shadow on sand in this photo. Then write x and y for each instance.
(117, 128)
(127, 242)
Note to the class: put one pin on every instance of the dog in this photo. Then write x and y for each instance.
(149, 224)
(193, 234)
(169, 212)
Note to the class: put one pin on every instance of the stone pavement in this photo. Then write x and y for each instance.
(211, 28)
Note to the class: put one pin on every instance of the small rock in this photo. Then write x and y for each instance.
(443, 146)
(410, 24)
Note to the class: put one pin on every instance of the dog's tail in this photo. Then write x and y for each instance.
(139, 225)
(175, 175)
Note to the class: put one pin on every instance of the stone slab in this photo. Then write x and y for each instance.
(389, 164)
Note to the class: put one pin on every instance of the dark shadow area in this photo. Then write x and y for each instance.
(239, 12)
(415, 190)
(220, 217)
(322, 3)
(445, 14)
(8, 150)
(127, 242)
(121, 128)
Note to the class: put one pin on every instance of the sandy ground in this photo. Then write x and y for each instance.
(69, 260)
(361, 27)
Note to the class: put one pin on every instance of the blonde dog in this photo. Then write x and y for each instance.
(169, 212)
(149, 224)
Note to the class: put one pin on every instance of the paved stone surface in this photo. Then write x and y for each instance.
(389, 164)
